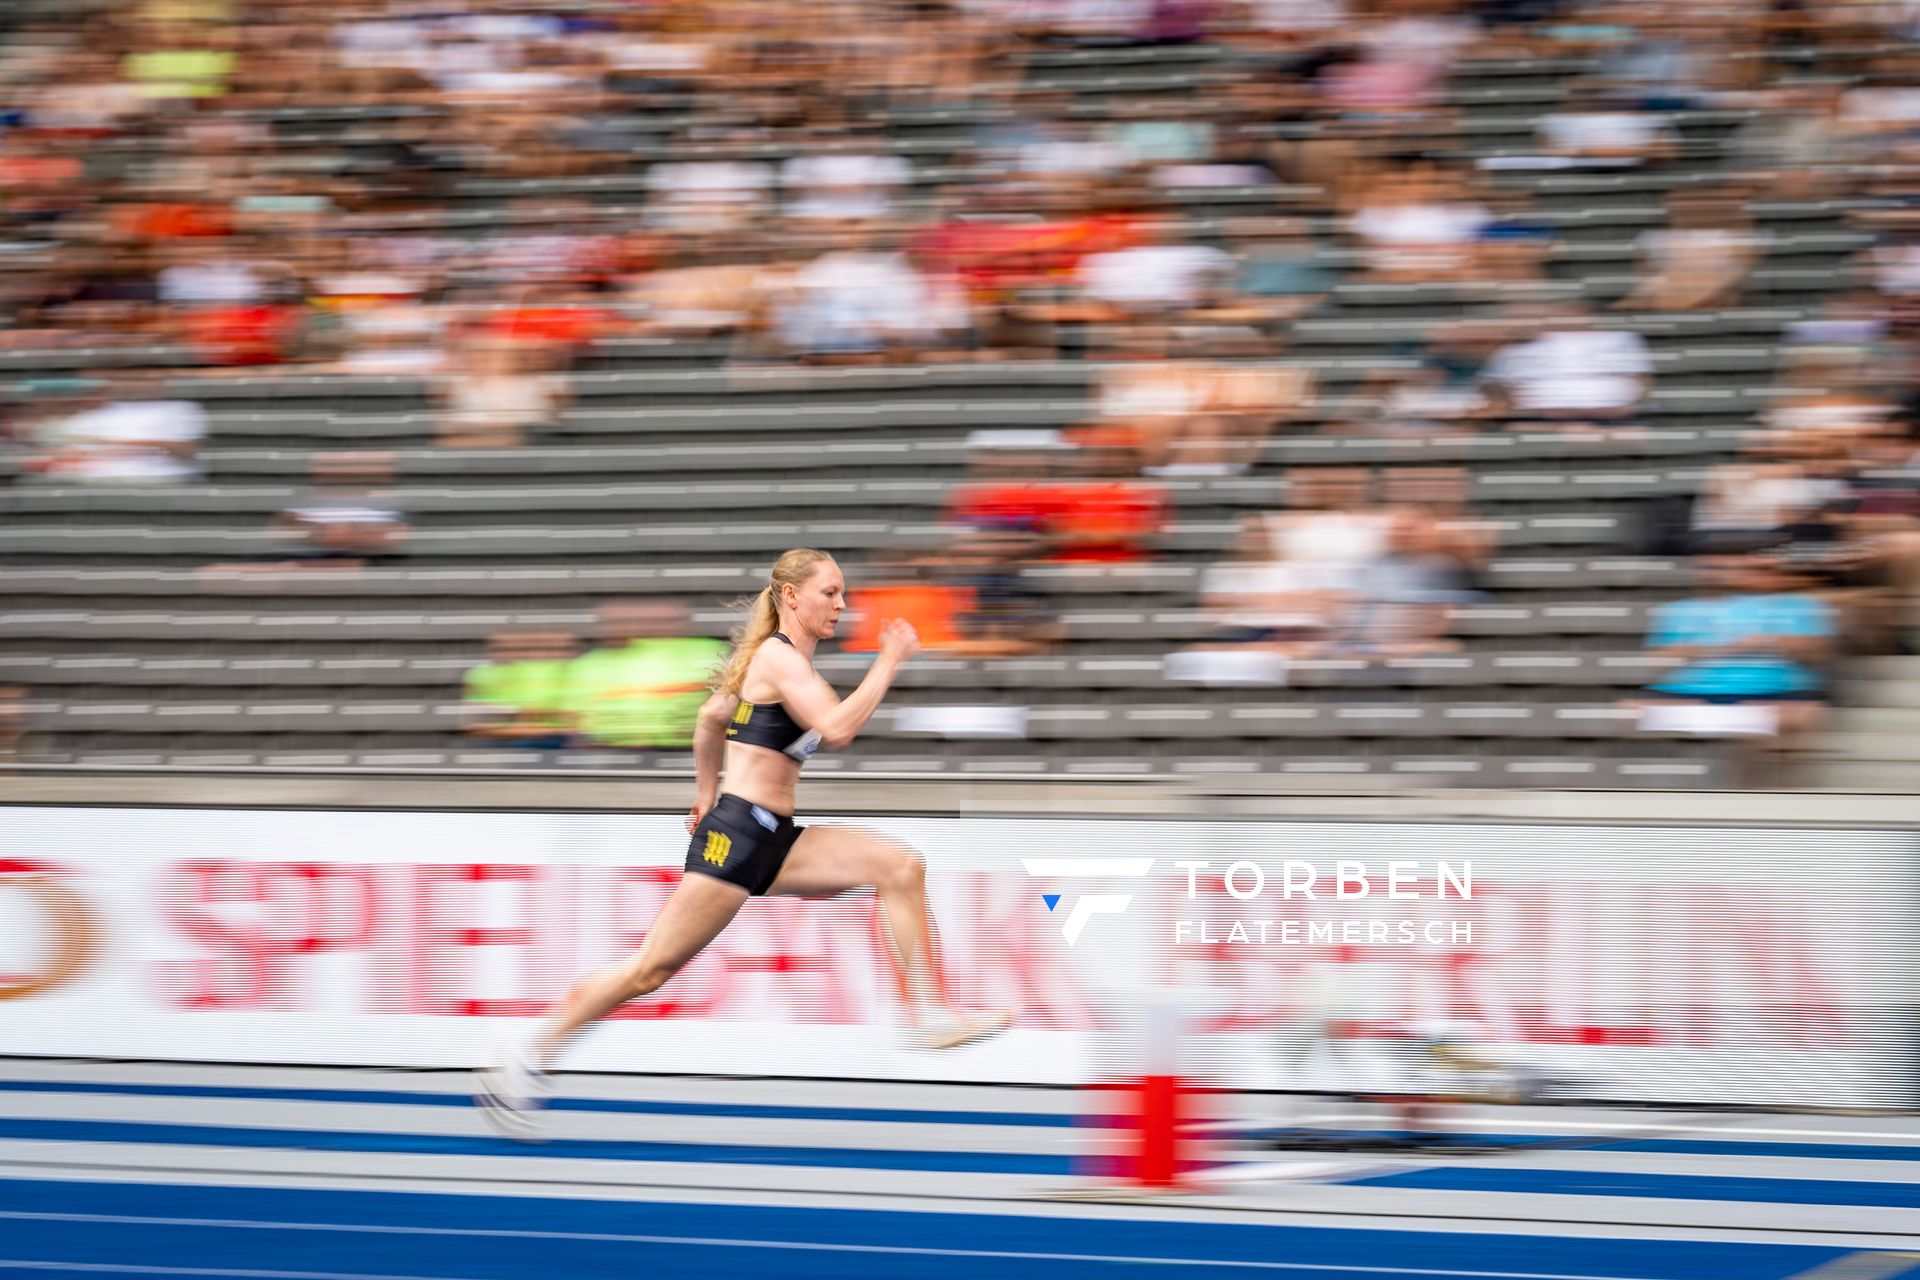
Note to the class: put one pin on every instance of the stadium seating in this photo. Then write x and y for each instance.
(681, 473)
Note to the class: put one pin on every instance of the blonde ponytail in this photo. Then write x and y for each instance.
(763, 614)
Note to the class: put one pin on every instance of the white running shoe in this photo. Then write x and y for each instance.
(513, 1092)
(962, 1029)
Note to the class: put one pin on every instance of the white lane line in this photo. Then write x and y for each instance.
(1031, 1203)
(596, 1237)
(1728, 1129)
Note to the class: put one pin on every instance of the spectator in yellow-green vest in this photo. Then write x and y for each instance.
(643, 685)
(518, 696)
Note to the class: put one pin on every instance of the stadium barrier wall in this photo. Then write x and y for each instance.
(1646, 961)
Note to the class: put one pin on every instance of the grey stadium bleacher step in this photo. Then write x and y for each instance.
(1568, 529)
(855, 456)
(1239, 772)
(1183, 625)
(934, 672)
(869, 495)
(862, 455)
(1151, 577)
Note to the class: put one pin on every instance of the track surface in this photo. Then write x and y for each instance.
(308, 1174)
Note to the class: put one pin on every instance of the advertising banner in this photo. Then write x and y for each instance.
(1676, 964)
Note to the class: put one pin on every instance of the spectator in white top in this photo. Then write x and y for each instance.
(1421, 31)
(497, 394)
(386, 43)
(349, 518)
(205, 276)
(387, 333)
(511, 29)
(1296, 21)
(1599, 132)
(863, 302)
(1069, 150)
(1567, 371)
(1099, 20)
(1259, 618)
(707, 195)
(1884, 109)
(1418, 225)
(133, 436)
(1751, 504)
(1895, 265)
(649, 56)
(1131, 296)
(1162, 277)
(90, 95)
(1324, 547)
(850, 182)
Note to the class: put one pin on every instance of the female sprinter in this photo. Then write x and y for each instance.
(770, 711)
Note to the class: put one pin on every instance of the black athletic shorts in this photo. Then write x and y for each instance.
(742, 843)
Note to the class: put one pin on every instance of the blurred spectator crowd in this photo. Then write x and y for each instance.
(159, 192)
(157, 184)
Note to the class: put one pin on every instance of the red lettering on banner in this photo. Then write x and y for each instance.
(697, 991)
(1507, 918)
(521, 936)
(1787, 984)
(1714, 966)
(285, 910)
(235, 976)
(22, 867)
(1255, 976)
(327, 925)
(442, 972)
(1006, 961)
(1598, 964)
(798, 945)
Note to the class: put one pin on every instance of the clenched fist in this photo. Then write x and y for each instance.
(898, 640)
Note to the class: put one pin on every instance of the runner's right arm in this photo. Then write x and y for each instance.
(709, 748)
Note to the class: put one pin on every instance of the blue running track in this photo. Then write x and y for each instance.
(118, 1229)
(170, 1171)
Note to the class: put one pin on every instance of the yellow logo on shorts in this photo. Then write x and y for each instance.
(718, 846)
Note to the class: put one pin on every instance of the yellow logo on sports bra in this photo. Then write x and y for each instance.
(741, 714)
(718, 847)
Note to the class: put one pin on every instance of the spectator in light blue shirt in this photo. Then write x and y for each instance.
(1756, 641)
(1759, 641)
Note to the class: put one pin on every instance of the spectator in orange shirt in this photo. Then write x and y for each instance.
(1108, 515)
(171, 220)
(1009, 489)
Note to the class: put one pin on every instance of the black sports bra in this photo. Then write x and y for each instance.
(767, 724)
